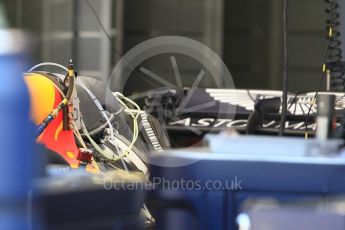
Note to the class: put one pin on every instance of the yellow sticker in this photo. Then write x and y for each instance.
(70, 154)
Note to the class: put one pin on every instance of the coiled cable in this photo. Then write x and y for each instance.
(334, 55)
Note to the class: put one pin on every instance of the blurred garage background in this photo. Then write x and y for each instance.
(246, 34)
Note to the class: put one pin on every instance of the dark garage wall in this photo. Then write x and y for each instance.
(253, 43)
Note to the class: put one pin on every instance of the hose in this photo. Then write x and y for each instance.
(119, 97)
(70, 77)
(48, 64)
(93, 97)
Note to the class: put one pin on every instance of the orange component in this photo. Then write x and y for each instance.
(44, 98)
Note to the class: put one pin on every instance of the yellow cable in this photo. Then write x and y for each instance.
(78, 135)
(121, 100)
(120, 97)
(95, 145)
